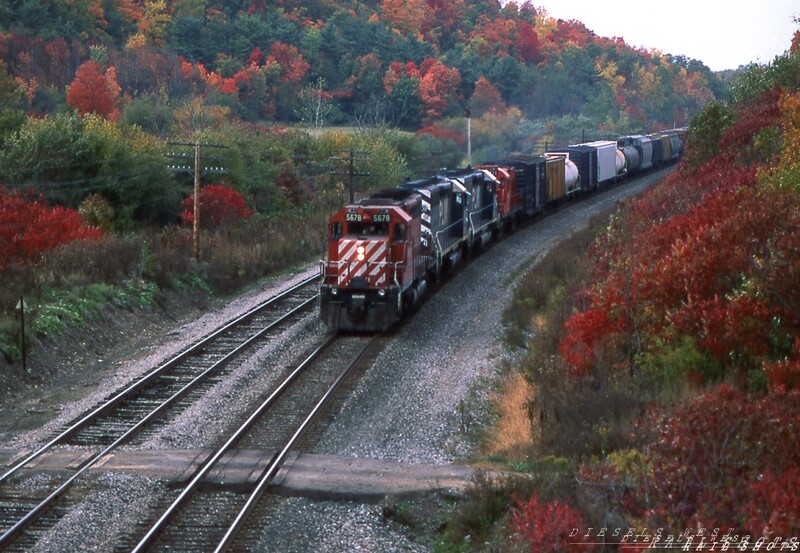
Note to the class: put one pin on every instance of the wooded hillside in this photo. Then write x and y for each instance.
(414, 61)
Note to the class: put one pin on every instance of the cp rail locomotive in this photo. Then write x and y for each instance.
(384, 250)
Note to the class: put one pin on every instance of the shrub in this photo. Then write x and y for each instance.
(548, 526)
(29, 227)
(220, 205)
(728, 460)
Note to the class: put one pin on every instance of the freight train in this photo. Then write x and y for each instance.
(383, 251)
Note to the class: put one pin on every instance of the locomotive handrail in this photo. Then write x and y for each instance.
(338, 264)
(440, 231)
(488, 222)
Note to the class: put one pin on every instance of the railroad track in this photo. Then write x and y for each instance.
(160, 393)
(205, 518)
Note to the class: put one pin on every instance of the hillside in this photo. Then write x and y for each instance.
(664, 366)
(412, 62)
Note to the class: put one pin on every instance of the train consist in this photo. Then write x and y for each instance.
(384, 250)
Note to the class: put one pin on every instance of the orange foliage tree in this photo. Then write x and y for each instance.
(94, 92)
(437, 89)
(485, 98)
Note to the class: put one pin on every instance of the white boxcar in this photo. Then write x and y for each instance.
(606, 161)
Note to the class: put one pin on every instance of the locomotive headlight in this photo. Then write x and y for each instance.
(334, 291)
(361, 251)
(381, 292)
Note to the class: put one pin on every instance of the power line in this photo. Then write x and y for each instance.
(192, 165)
(351, 172)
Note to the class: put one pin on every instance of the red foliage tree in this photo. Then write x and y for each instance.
(486, 98)
(29, 227)
(293, 66)
(443, 132)
(93, 92)
(528, 48)
(711, 260)
(220, 205)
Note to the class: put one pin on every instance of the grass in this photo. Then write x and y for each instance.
(512, 435)
(72, 282)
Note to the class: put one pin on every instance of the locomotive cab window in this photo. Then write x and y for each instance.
(336, 231)
(399, 232)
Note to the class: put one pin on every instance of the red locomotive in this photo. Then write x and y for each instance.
(383, 250)
(377, 261)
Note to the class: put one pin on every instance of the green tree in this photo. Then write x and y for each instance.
(706, 131)
(405, 103)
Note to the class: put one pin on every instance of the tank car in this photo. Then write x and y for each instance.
(633, 159)
(643, 146)
(585, 159)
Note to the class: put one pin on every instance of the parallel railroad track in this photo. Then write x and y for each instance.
(205, 518)
(160, 393)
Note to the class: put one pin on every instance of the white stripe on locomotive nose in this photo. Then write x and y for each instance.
(346, 248)
(377, 253)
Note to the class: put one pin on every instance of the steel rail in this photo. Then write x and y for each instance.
(277, 461)
(147, 379)
(36, 512)
(190, 488)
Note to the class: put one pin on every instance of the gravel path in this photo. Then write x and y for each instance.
(419, 402)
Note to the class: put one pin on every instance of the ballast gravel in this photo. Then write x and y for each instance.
(422, 400)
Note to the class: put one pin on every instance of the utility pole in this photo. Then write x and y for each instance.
(197, 171)
(21, 305)
(468, 115)
(351, 171)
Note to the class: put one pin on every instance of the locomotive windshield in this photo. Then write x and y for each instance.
(367, 228)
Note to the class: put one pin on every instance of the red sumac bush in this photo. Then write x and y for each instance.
(548, 526)
(220, 205)
(720, 458)
(28, 227)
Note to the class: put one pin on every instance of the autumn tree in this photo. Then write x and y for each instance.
(405, 15)
(29, 227)
(485, 98)
(94, 92)
(152, 19)
(528, 47)
(437, 89)
(220, 205)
